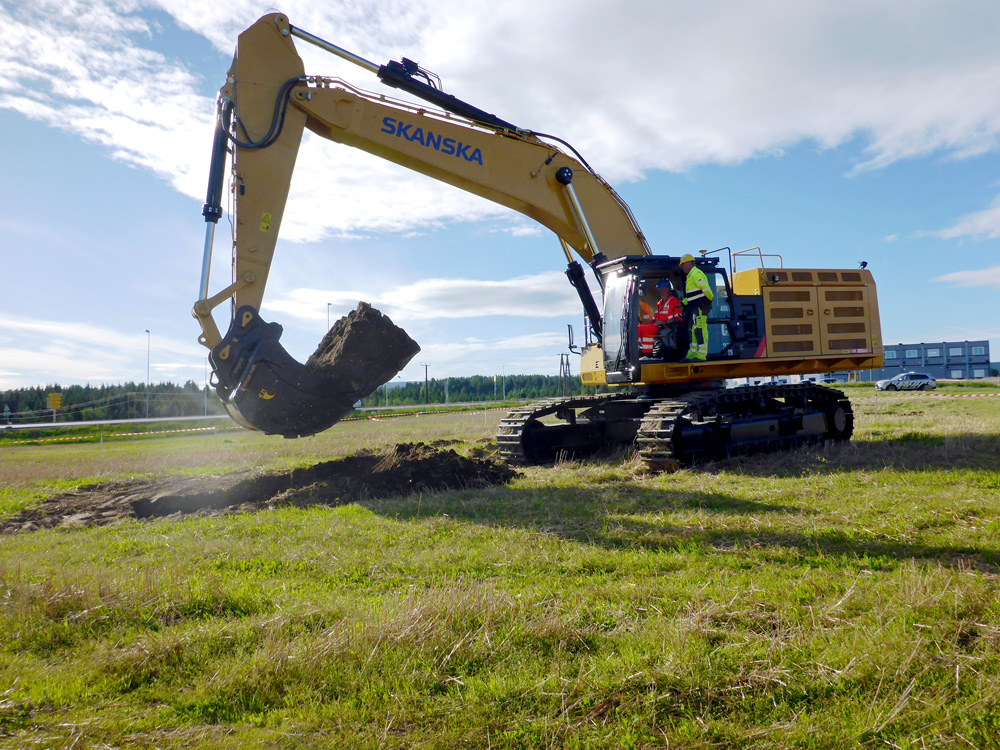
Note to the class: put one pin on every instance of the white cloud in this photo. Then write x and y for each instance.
(81, 67)
(61, 352)
(979, 225)
(545, 295)
(452, 352)
(989, 277)
(642, 86)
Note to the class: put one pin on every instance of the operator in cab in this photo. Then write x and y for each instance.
(647, 330)
(698, 296)
(669, 320)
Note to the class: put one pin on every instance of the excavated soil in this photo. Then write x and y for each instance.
(278, 396)
(363, 350)
(405, 469)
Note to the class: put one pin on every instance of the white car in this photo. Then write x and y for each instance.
(908, 381)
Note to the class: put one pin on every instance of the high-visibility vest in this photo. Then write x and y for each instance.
(668, 311)
(697, 290)
(647, 337)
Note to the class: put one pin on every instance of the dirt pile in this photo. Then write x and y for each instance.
(405, 469)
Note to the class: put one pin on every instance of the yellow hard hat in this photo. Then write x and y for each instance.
(687, 258)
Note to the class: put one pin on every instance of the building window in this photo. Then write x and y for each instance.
(933, 352)
(890, 355)
(957, 374)
(979, 373)
(912, 353)
(955, 351)
(980, 350)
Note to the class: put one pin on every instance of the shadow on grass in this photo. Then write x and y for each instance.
(622, 517)
(911, 452)
(827, 543)
(593, 504)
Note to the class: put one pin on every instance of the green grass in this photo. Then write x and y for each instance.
(835, 597)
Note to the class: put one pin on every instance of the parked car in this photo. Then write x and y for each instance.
(908, 381)
(822, 380)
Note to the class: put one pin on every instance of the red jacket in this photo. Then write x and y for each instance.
(669, 311)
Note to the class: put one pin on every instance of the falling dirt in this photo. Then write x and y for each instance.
(404, 469)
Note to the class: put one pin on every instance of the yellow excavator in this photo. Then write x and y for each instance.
(766, 322)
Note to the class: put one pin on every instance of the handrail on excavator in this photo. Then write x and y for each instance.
(760, 257)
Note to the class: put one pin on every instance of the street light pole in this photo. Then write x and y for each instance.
(147, 373)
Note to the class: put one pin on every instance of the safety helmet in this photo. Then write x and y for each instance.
(687, 258)
(664, 284)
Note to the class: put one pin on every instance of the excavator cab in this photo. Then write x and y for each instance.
(734, 326)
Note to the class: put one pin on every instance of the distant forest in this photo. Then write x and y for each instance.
(84, 403)
(477, 388)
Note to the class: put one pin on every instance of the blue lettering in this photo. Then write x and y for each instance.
(428, 139)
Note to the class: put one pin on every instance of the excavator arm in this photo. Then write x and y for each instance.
(264, 108)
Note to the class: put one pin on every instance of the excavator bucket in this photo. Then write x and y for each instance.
(265, 388)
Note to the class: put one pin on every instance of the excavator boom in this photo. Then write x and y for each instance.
(266, 105)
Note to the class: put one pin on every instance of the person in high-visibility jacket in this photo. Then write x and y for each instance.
(698, 296)
(669, 319)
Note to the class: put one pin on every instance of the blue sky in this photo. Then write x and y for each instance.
(828, 133)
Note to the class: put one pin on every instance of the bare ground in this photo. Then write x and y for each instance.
(401, 470)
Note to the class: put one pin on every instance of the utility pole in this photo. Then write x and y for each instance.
(147, 373)
(427, 385)
(564, 372)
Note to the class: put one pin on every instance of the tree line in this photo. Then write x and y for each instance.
(476, 388)
(84, 403)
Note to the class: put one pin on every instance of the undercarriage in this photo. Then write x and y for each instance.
(669, 431)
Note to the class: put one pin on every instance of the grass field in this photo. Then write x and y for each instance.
(844, 596)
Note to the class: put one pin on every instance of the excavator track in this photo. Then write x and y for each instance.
(679, 430)
(655, 439)
(523, 439)
(700, 427)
